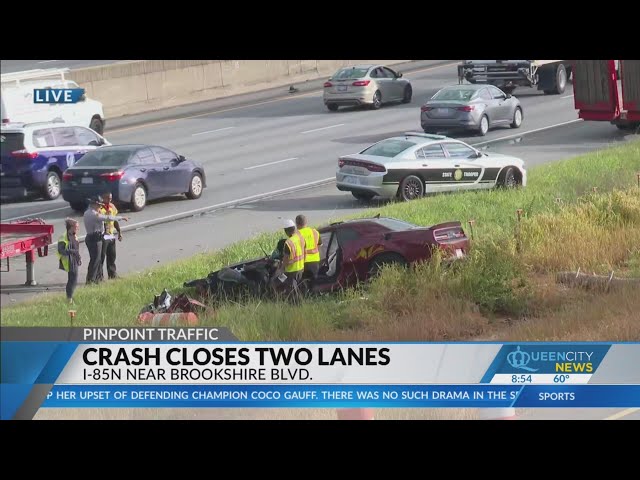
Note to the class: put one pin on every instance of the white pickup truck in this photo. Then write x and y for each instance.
(551, 76)
(18, 105)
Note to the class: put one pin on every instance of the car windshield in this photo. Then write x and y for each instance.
(455, 94)
(395, 225)
(388, 148)
(105, 158)
(349, 73)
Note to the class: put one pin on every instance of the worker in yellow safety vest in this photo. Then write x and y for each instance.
(68, 252)
(293, 256)
(313, 241)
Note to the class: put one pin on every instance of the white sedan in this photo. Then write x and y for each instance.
(415, 164)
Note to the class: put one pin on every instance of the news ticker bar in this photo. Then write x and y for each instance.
(343, 396)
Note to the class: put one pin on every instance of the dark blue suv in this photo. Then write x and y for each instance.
(33, 156)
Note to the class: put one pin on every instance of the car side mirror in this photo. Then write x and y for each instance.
(181, 159)
(479, 154)
(399, 75)
(508, 95)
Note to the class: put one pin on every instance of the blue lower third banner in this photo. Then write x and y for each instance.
(342, 396)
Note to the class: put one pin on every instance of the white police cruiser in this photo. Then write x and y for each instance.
(34, 156)
(412, 165)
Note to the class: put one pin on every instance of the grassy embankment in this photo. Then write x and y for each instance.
(504, 291)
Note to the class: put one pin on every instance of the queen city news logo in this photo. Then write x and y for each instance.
(550, 361)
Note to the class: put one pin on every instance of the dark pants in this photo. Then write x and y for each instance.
(108, 253)
(94, 245)
(311, 270)
(72, 283)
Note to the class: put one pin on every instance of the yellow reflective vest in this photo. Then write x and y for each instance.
(311, 238)
(296, 253)
(64, 259)
(109, 226)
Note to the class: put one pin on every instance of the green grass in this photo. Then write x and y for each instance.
(450, 302)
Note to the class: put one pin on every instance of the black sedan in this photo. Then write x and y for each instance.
(133, 174)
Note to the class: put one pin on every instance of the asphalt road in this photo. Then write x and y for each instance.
(10, 66)
(277, 144)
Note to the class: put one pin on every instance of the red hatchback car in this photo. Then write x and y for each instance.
(354, 250)
(351, 251)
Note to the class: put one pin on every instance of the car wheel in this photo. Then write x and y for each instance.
(52, 187)
(508, 179)
(195, 187)
(363, 196)
(79, 206)
(483, 128)
(333, 107)
(384, 259)
(411, 187)
(377, 100)
(97, 125)
(138, 198)
(517, 118)
(408, 93)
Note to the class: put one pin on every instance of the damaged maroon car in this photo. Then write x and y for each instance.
(352, 251)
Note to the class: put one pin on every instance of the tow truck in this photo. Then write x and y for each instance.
(608, 91)
(551, 76)
(25, 237)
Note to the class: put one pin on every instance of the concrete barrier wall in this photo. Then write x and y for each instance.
(147, 85)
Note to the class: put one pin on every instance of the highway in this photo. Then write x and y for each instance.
(280, 144)
(10, 66)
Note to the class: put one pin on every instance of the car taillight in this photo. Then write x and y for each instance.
(112, 176)
(425, 108)
(361, 83)
(466, 108)
(23, 154)
(328, 84)
(5, 120)
(372, 167)
(448, 234)
(67, 176)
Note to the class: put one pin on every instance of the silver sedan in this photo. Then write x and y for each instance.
(470, 107)
(372, 85)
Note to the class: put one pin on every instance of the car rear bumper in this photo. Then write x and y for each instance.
(345, 99)
(121, 193)
(365, 184)
(14, 186)
(467, 122)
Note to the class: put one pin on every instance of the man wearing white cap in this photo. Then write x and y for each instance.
(293, 255)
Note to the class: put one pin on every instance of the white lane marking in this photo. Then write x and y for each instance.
(218, 206)
(302, 185)
(49, 61)
(257, 104)
(212, 131)
(270, 163)
(623, 413)
(322, 128)
(515, 135)
(568, 96)
(35, 214)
